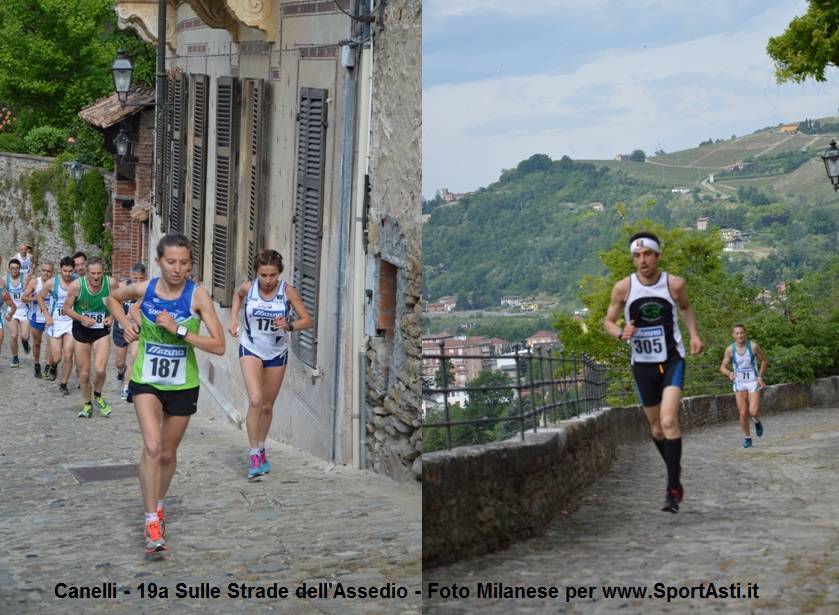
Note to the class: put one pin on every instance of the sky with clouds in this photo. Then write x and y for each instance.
(506, 79)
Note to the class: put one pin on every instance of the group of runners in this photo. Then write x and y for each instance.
(155, 325)
(651, 300)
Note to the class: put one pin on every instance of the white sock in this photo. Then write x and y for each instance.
(159, 504)
(262, 446)
(150, 517)
(254, 451)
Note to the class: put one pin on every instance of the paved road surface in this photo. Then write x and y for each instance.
(767, 515)
(306, 522)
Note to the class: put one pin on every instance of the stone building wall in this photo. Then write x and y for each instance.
(394, 440)
(478, 499)
(18, 223)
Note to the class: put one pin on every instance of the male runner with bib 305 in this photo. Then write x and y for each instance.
(651, 299)
(164, 379)
(739, 364)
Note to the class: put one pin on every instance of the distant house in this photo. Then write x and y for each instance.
(680, 190)
(789, 129)
(434, 307)
(733, 238)
(451, 197)
(702, 223)
(449, 302)
(596, 206)
(542, 339)
(622, 157)
(511, 300)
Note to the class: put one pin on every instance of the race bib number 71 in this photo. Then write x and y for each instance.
(164, 364)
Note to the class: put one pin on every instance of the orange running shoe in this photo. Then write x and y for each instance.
(154, 538)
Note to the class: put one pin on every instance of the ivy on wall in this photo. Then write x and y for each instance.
(86, 204)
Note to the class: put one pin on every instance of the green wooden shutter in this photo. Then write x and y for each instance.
(198, 179)
(224, 217)
(178, 154)
(308, 212)
(254, 94)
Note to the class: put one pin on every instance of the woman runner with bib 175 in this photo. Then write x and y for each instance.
(164, 379)
(263, 349)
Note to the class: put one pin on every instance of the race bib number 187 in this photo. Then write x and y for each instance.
(164, 364)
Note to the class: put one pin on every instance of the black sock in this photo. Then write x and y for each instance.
(659, 444)
(672, 457)
(97, 394)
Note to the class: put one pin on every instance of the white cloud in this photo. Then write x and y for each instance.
(671, 96)
(459, 8)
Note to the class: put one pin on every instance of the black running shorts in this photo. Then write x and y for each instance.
(183, 402)
(88, 336)
(652, 378)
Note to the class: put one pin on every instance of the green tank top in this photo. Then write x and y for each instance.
(93, 305)
(163, 360)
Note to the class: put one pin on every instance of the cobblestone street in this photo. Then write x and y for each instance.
(305, 522)
(765, 515)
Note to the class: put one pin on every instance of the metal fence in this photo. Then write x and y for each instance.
(541, 387)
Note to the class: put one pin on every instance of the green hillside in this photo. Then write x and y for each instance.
(536, 230)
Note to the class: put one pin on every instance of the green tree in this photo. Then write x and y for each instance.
(56, 57)
(638, 155)
(809, 44)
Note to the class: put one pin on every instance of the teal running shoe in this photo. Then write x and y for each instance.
(747, 442)
(265, 465)
(759, 429)
(254, 467)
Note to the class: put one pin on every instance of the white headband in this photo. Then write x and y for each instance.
(644, 242)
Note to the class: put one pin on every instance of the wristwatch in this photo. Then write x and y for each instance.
(182, 331)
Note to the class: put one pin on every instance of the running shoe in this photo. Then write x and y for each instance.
(120, 374)
(87, 411)
(62, 388)
(154, 538)
(671, 504)
(759, 429)
(38, 370)
(15, 362)
(104, 408)
(254, 467)
(162, 516)
(678, 493)
(265, 465)
(53, 373)
(747, 442)
(124, 394)
(25, 344)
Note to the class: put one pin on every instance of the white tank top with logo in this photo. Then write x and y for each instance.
(261, 337)
(16, 290)
(657, 337)
(744, 369)
(34, 311)
(59, 294)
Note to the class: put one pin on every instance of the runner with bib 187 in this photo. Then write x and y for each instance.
(164, 379)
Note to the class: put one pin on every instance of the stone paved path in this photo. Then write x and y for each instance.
(767, 515)
(306, 522)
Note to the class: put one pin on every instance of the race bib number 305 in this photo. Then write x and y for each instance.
(164, 364)
(648, 345)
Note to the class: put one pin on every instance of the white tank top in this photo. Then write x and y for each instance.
(261, 337)
(34, 311)
(16, 291)
(744, 369)
(59, 294)
(654, 313)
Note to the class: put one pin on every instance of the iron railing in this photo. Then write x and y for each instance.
(543, 387)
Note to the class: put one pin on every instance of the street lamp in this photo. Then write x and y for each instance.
(121, 70)
(831, 164)
(122, 143)
(76, 170)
